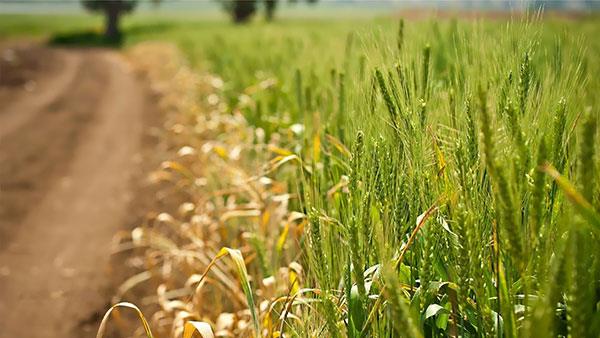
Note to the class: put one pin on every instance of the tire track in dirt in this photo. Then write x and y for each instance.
(16, 112)
(65, 190)
(39, 132)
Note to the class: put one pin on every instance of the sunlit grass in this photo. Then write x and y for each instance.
(436, 180)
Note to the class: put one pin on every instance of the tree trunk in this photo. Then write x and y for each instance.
(270, 8)
(113, 14)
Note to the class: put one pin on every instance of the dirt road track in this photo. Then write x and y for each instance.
(71, 128)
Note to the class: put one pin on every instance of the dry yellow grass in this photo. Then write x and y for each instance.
(231, 199)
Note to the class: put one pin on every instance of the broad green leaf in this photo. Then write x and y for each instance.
(433, 310)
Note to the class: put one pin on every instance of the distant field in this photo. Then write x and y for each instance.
(384, 178)
(199, 33)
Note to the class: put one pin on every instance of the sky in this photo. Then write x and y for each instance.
(62, 6)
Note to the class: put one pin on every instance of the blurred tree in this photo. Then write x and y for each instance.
(270, 8)
(113, 9)
(242, 10)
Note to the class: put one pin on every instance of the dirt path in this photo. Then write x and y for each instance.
(71, 128)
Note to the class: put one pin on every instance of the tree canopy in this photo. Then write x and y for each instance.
(242, 10)
(113, 9)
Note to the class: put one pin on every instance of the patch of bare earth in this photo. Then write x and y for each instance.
(74, 149)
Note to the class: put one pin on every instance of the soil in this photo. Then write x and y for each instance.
(74, 142)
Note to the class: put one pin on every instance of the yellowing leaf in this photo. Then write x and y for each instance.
(266, 217)
(283, 237)
(139, 313)
(133, 281)
(293, 276)
(221, 152)
(177, 167)
(238, 260)
(583, 206)
(316, 148)
(338, 145)
(279, 161)
(202, 328)
(279, 151)
(239, 213)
